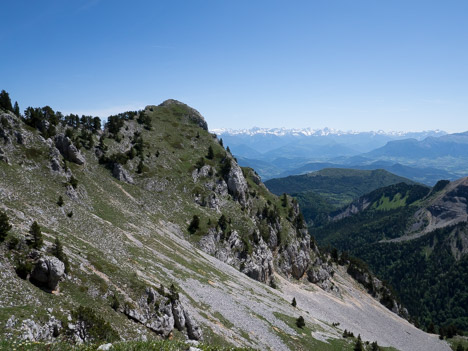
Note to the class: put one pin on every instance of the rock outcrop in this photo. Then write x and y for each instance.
(68, 150)
(237, 185)
(162, 312)
(47, 272)
(121, 174)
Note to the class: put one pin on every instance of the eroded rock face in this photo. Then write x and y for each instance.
(162, 313)
(236, 183)
(296, 258)
(320, 273)
(257, 265)
(48, 271)
(121, 174)
(68, 150)
(35, 331)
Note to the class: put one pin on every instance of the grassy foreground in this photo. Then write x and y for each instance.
(160, 345)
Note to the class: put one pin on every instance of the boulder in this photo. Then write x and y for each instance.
(68, 150)
(179, 316)
(48, 271)
(55, 159)
(121, 174)
(194, 331)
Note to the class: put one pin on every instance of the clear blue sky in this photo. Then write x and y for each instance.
(350, 64)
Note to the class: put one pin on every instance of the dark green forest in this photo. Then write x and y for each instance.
(429, 274)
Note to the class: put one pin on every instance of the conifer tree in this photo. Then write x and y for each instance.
(4, 225)
(36, 234)
(222, 222)
(210, 154)
(16, 109)
(194, 224)
(284, 200)
(300, 322)
(57, 251)
(358, 345)
(294, 303)
(5, 101)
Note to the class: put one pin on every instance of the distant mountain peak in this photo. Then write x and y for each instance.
(318, 132)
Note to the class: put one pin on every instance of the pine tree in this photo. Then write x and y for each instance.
(36, 234)
(222, 222)
(5, 101)
(4, 225)
(210, 154)
(16, 109)
(60, 201)
(358, 345)
(57, 251)
(294, 303)
(375, 346)
(300, 322)
(194, 224)
(284, 200)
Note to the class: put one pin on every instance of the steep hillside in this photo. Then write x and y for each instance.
(150, 229)
(321, 192)
(416, 239)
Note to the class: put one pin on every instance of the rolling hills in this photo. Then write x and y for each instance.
(322, 192)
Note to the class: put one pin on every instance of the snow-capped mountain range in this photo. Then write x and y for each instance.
(322, 132)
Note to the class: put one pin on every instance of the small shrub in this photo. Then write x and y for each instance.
(222, 222)
(294, 303)
(300, 322)
(73, 182)
(57, 251)
(60, 201)
(93, 328)
(194, 224)
(23, 268)
(115, 303)
(4, 226)
(70, 214)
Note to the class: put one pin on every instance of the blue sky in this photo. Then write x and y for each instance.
(361, 65)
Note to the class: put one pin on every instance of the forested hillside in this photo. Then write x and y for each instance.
(389, 230)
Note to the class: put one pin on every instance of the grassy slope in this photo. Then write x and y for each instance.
(122, 238)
